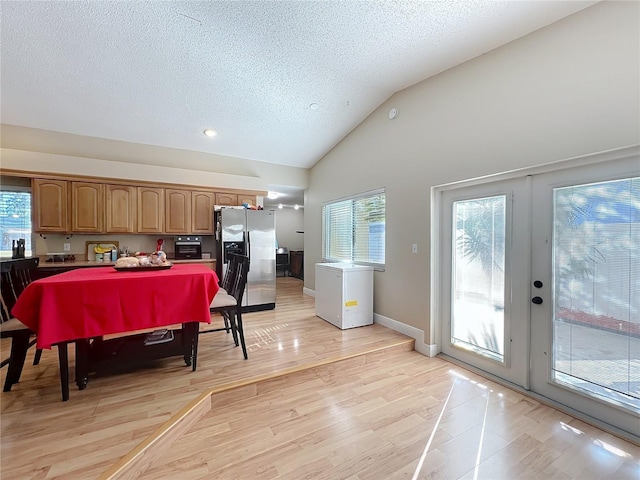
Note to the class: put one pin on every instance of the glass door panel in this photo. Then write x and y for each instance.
(477, 322)
(484, 239)
(585, 335)
(596, 275)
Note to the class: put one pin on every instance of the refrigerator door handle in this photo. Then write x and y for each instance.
(248, 252)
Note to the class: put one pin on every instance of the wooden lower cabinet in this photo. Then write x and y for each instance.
(208, 263)
(296, 260)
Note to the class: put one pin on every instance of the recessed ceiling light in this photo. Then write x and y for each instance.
(272, 195)
(280, 206)
(314, 106)
(296, 207)
(210, 132)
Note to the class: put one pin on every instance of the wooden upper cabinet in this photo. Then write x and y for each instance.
(91, 207)
(177, 211)
(121, 209)
(229, 199)
(248, 199)
(87, 207)
(50, 205)
(150, 210)
(202, 212)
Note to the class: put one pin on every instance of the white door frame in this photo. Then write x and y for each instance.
(437, 266)
(515, 365)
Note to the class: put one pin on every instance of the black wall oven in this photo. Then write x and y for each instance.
(188, 247)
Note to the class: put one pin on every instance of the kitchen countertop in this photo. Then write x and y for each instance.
(92, 263)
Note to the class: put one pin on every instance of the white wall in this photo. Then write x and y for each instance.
(288, 222)
(33, 149)
(60, 153)
(569, 89)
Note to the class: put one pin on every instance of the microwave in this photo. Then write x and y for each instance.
(188, 247)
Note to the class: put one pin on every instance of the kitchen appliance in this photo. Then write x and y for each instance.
(251, 233)
(344, 294)
(18, 249)
(188, 247)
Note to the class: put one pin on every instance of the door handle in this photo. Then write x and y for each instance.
(537, 300)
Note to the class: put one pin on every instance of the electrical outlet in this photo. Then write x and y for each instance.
(414, 248)
(67, 247)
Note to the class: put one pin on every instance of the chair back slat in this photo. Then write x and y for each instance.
(15, 276)
(230, 274)
(4, 310)
(240, 280)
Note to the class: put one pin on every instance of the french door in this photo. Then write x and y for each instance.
(585, 333)
(540, 284)
(485, 303)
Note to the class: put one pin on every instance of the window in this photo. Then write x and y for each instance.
(353, 229)
(15, 219)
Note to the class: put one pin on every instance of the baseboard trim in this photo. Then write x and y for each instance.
(413, 332)
(428, 350)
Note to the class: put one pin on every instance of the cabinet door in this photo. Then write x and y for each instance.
(248, 199)
(202, 212)
(229, 199)
(87, 207)
(121, 209)
(297, 263)
(150, 210)
(177, 211)
(50, 205)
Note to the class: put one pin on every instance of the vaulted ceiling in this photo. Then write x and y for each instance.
(279, 81)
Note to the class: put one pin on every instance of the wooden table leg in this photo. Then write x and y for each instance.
(82, 363)
(190, 333)
(195, 329)
(63, 359)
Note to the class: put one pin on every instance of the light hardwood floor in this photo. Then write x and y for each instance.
(391, 414)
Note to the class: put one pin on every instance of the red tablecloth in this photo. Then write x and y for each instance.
(91, 302)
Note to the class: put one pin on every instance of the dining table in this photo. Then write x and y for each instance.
(84, 305)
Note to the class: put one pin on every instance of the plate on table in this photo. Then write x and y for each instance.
(144, 268)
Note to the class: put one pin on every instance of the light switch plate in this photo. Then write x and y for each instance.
(67, 247)
(414, 248)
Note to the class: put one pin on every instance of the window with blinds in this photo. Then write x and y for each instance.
(353, 229)
(15, 220)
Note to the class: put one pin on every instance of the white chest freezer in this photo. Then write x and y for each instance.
(344, 294)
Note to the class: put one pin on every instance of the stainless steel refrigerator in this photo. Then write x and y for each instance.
(251, 233)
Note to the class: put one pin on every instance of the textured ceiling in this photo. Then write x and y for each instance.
(159, 73)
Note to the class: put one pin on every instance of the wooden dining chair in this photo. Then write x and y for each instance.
(229, 276)
(230, 303)
(226, 284)
(15, 276)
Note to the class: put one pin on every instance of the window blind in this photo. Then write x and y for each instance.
(353, 229)
(15, 219)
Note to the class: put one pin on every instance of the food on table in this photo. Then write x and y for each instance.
(127, 262)
(144, 260)
(158, 258)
